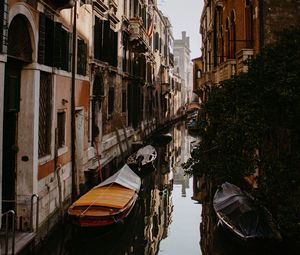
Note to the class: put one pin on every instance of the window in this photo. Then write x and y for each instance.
(198, 74)
(233, 35)
(45, 112)
(64, 50)
(124, 99)
(54, 47)
(81, 57)
(111, 99)
(46, 40)
(125, 7)
(156, 41)
(249, 24)
(61, 122)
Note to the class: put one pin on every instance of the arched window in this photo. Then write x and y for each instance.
(227, 38)
(215, 39)
(198, 74)
(221, 39)
(232, 35)
(19, 49)
(249, 23)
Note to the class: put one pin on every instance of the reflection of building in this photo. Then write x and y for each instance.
(184, 154)
(183, 65)
(158, 209)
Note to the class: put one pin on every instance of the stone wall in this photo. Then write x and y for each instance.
(279, 14)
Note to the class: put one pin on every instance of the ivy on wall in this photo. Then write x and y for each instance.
(252, 122)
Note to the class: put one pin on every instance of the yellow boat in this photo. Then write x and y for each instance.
(109, 202)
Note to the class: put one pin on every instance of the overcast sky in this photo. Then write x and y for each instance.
(184, 16)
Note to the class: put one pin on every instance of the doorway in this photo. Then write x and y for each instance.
(19, 52)
(10, 119)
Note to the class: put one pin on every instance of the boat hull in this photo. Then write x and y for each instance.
(102, 221)
(242, 216)
(146, 163)
(109, 202)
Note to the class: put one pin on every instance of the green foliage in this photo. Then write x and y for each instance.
(253, 122)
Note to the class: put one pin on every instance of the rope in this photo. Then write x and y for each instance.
(93, 202)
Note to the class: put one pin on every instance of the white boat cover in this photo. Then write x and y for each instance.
(148, 154)
(124, 177)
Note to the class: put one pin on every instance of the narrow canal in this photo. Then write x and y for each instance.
(165, 220)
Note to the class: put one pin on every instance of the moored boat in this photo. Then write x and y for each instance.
(242, 215)
(141, 162)
(109, 202)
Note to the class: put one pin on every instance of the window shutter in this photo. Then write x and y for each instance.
(97, 38)
(42, 39)
(58, 45)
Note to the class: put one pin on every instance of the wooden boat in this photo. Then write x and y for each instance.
(240, 213)
(141, 162)
(109, 202)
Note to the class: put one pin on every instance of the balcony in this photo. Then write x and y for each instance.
(137, 35)
(225, 71)
(60, 5)
(243, 56)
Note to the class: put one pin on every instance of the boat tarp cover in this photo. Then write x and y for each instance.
(114, 196)
(148, 153)
(240, 211)
(124, 177)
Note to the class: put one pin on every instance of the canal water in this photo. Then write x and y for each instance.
(165, 220)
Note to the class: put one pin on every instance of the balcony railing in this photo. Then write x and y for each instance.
(59, 5)
(225, 71)
(243, 57)
(137, 35)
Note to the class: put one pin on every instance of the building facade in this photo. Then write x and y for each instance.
(184, 66)
(80, 82)
(234, 32)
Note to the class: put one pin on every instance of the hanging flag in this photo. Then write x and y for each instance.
(150, 29)
(152, 26)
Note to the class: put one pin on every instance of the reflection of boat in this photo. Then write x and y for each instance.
(109, 202)
(194, 145)
(238, 212)
(162, 139)
(142, 161)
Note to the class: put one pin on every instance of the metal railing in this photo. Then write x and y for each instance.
(6, 214)
(9, 225)
(37, 212)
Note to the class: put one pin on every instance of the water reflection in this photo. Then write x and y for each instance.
(163, 217)
(165, 221)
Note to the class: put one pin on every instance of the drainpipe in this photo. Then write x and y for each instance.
(73, 130)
